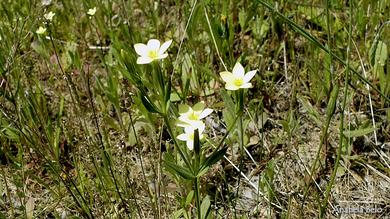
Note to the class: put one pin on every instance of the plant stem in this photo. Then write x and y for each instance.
(183, 155)
(341, 128)
(197, 197)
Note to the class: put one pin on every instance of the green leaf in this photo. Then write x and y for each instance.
(178, 213)
(151, 107)
(227, 100)
(381, 53)
(176, 169)
(313, 113)
(189, 198)
(167, 92)
(174, 97)
(359, 132)
(214, 158)
(205, 207)
(330, 109)
(202, 171)
(242, 19)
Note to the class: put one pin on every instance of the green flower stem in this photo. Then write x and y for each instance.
(182, 153)
(196, 166)
(341, 138)
(240, 110)
(240, 113)
(197, 197)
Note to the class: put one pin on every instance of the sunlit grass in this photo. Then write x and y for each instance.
(193, 109)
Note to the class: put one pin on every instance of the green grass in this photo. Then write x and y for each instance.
(86, 132)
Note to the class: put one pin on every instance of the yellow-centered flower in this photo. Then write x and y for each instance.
(191, 116)
(41, 30)
(238, 79)
(91, 11)
(49, 16)
(151, 51)
(189, 135)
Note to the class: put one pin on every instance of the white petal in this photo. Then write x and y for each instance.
(238, 70)
(144, 60)
(248, 76)
(227, 76)
(192, 125)
(205, 113)
(163, 56)
(246, 85)
(190, 144)
(181, 123)
(182, 137)
(164, 47)
(183, 117)
(201, 128)
(141, 49)
(153, 44)
(231, 87)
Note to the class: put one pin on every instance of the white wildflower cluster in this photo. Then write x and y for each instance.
(191, 117)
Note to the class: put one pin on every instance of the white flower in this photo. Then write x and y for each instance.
(238, 79)
(189, 135)
(91, 11)
(192, 116)
(46, 2)
(151, 51)
(41, 30)
(49, 16)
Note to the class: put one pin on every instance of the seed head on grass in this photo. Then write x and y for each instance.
(151, 51)
(238, 79)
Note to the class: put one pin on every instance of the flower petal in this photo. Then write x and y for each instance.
(163, 56)
(141, 49)
(164, 47)
(153, 44)
(190, 144)
(227, 76)
(192, 125)
(231, 87)
(182, 137)
(248, 76)
(181, 123)
(144, 60)
(246, 85)
(238, 70)
(205, 113)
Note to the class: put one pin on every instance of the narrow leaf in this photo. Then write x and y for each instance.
(214, 158)
(176, 169)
